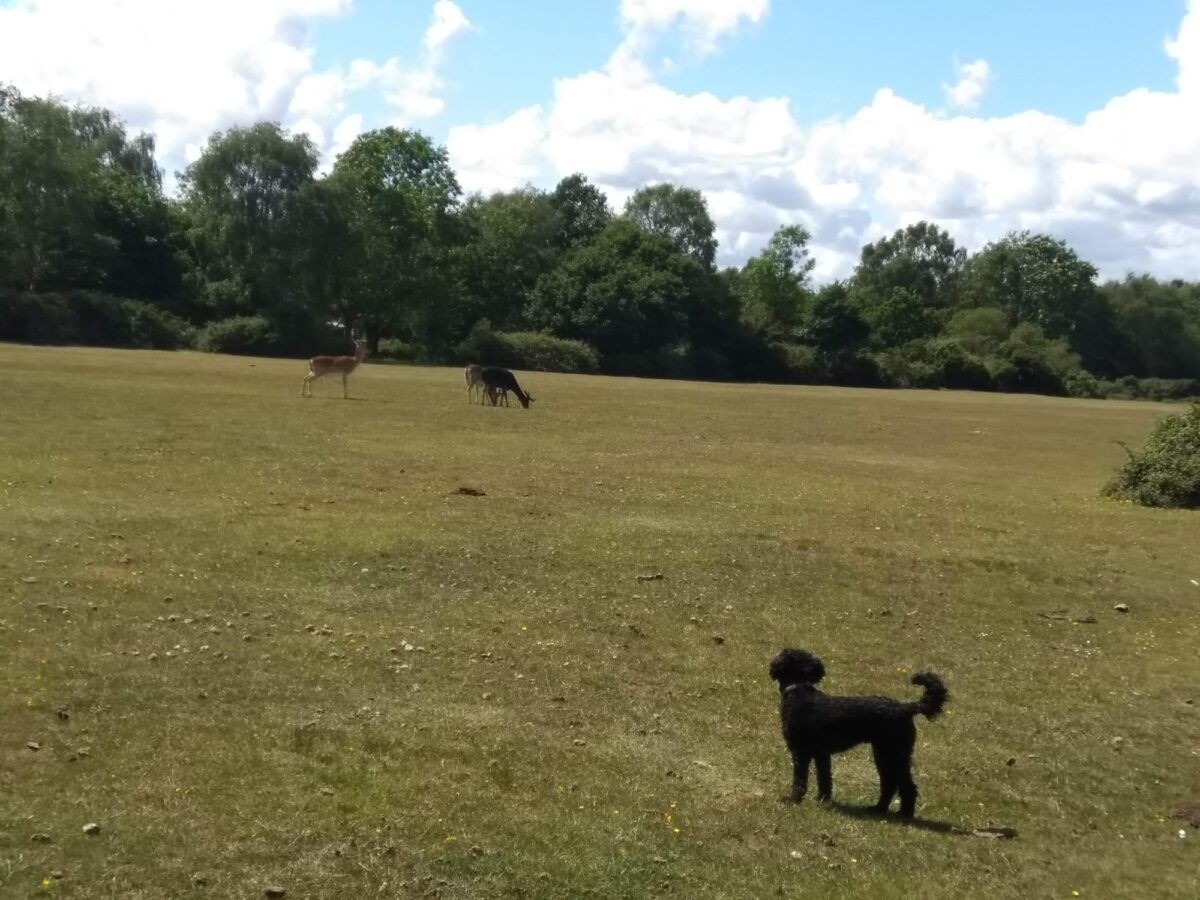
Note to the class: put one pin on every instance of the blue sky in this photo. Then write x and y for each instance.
(1066, 57)
(1080, 119)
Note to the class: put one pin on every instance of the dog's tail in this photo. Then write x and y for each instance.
(934, 698)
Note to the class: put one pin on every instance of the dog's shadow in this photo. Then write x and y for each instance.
(921, 824)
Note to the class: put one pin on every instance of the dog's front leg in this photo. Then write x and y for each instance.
(799, 777)
(824, 778)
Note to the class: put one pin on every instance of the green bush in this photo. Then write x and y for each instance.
(37, 319)
(1130, 388)
(798, 364)
(392, 348)
(89, 318)
(527, 350)
(1166, 471)
(938, 363)
(1083, 384)
(245, 335)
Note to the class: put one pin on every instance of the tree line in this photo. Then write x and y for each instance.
(262, 253)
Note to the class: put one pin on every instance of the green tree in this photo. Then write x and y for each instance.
(1160, 322)
(898, 317)
(81, 202)
(773, 286)
(921, 259)
(680, 214)
(832, 323)
(1039, 279)
(399, 196)
(582, 210)
(248, 200)
(512, 239)
(628, 291)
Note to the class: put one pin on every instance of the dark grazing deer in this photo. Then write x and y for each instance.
(497, 379)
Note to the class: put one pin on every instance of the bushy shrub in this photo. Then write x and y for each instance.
(392, 348)
(1166, 471)
(798, 364)
(938, 363)
(527, 350)
(244, 335)
(665, 362)
(1083, 384)
(37, 319)
(1130, 388)
(92, 319)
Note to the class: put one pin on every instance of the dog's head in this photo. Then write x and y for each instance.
(796, 667)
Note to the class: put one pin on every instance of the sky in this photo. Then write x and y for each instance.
(1078, 118)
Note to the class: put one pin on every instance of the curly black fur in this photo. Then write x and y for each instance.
(816, 726)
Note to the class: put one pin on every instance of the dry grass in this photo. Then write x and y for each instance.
(291, 654)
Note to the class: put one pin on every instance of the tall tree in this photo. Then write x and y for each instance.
(400, 195)
(81, 202)
(922, 259)
(582, 210)
(627, 291)
(678, 213)
(247, 199)
(512, 239)
(773, 286)
(1039, 279)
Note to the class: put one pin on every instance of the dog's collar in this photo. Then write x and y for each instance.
(791, 687)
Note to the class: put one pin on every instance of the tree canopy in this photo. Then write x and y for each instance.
(262, 250)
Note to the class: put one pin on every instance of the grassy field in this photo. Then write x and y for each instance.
(262, 640)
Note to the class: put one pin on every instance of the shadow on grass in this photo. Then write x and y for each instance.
(917, 822)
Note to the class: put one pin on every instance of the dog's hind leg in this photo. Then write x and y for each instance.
(889, 775)
(908, 788)
(824, 777)
(799, 777)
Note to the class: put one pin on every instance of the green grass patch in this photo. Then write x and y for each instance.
(263, 640)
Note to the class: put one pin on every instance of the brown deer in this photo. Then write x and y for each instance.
(343, 365)
(474, 376)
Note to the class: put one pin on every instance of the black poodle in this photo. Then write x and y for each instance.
(816, 725)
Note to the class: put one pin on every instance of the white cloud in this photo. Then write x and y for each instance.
(973, 80)
(185, 70)
(448, 20)
(703, 21)
(1122, 185)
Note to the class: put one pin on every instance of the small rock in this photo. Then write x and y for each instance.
(477, 850)
(1122, 607)
(718, 639)
(63, 713)
(199, 880)
(327, 791)
(274, 891)
(1011, 761)
(153, 657)
(29, 579)
(91, 828)
(34, 746)
(40, 837)
(57, 874)
(579, 742)
(796, 854)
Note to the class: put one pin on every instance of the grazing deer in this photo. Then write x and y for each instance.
(323, 365)
(474, 375)
(501, 380)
